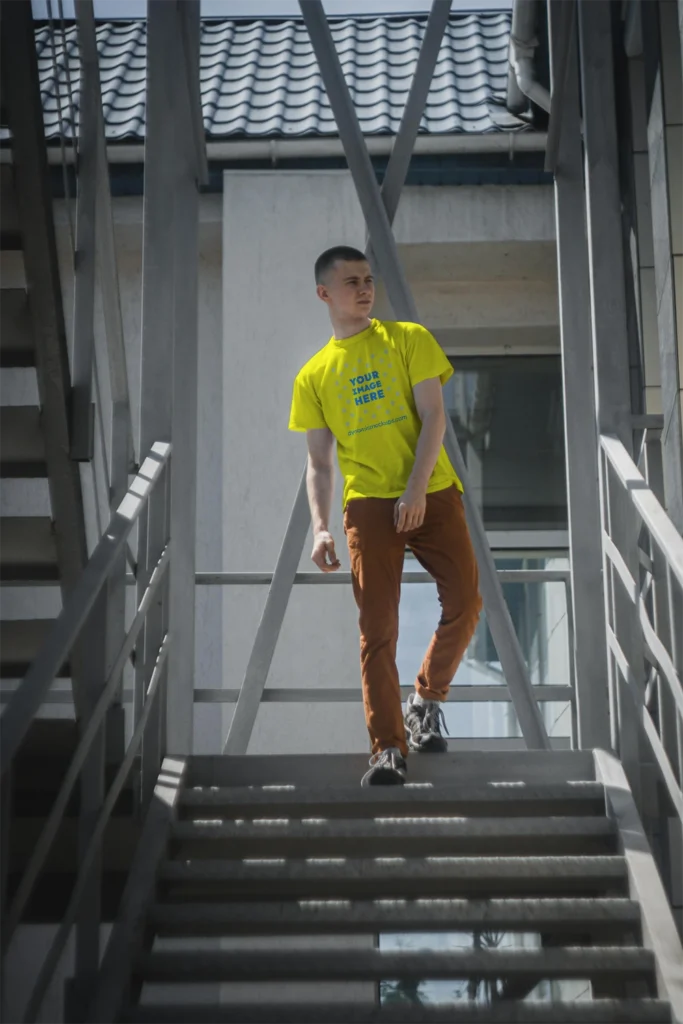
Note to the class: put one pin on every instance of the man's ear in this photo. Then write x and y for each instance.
(322, 292)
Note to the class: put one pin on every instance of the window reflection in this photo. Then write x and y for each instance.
(507, 415)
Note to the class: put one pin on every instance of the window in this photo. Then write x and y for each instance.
(507, 414)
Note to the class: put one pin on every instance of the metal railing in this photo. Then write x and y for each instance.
(490, 692)
(149, 633)
(643, 555)
(267, 635)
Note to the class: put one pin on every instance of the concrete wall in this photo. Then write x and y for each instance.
(274, 228)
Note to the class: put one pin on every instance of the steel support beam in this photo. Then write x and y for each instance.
(82, 409)
(190, 29)
(270, 625)
(400, 296)
(183, 506)
(404, 144)
(564, 16)
(169, 345)
(583, 489)
(661, 183)
(610, 352)
(606, 260)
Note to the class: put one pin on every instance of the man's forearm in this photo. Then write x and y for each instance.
(428, 448)
(320, 486)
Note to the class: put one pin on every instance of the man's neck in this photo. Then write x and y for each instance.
(348, 327)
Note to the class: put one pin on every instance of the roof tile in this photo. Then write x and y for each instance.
(260, 78)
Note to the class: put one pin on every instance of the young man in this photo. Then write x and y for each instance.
(375, 388)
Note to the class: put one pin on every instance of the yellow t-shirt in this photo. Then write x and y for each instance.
(361, 389)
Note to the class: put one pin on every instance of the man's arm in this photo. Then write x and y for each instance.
(320, 485)
(410, 508)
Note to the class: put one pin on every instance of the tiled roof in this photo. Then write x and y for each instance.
(260, 78)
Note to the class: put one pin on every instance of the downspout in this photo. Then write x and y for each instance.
(521, 80)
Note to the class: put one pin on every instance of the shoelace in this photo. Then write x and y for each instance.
(434, 718)
(382, 757)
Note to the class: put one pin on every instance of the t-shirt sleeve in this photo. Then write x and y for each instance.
(306, 412)
(424, 356)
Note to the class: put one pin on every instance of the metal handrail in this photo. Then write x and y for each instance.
(89, 856)
(241, 579)
(26, 700)
(658, 594)
(33, 690)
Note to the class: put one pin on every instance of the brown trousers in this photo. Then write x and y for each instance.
(442, 546)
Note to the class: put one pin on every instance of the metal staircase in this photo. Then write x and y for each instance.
(42, 540)
(268, 854)
(523, 879)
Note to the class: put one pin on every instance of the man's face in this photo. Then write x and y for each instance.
(349, 289)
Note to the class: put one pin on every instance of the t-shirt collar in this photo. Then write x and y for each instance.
(344, 342)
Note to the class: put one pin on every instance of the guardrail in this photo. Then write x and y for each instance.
(149, 633)
(644, 577)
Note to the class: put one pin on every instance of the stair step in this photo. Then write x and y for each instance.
(603, 963)
(22, 447)
(421, 838)
(473, 767)
(398, 802)
(16, 340)
(397, 878)
(598, 1011)
(28, 551)
(20, 642)
(583, 916)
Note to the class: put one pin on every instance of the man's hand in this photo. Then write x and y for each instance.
(324, 555)
(409, 510)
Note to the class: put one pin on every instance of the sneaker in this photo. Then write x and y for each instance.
(388, 768)
(423, 726)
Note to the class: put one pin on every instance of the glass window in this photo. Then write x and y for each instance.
(507, 414)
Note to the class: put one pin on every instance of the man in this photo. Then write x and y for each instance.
(375, 388)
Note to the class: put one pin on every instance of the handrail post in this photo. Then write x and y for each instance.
(79, 989)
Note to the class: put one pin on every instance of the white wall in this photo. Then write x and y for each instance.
(275, 225)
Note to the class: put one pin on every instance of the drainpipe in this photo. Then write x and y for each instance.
(521, 80)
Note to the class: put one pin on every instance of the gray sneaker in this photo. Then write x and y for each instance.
(388, 768)
(423, 726)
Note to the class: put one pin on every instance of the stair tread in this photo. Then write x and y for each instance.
(352, 801)
(20, 642)
(340, 770)
(598, 1011)
(327, 917)
(397, 878)
(421, 837)
(16, 340)
(373, 964)
(22, 446)
(28, 550)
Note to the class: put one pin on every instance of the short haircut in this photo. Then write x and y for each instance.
(327, 260)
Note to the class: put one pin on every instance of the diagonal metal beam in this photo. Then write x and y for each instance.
(190, 29)
(400, 296)
(399, 161)
(270, 625)
(566, 16)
